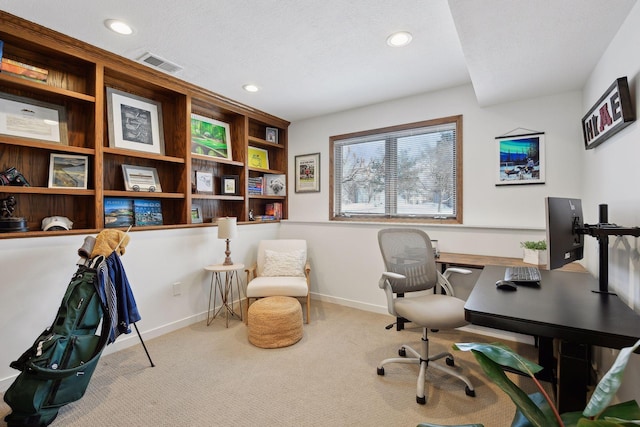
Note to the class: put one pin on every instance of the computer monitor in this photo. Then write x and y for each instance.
(565, 243)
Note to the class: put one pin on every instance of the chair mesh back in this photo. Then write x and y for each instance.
(408, 251)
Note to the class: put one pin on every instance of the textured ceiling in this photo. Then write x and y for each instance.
(314, 57)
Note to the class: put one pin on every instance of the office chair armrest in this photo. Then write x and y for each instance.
(458, 270)
(386, 286)
(444, 279)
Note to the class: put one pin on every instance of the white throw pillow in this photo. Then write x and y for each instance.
(283, 263)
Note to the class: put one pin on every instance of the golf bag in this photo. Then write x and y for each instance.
(57, 368)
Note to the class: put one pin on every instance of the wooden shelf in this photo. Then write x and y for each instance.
(78, 76)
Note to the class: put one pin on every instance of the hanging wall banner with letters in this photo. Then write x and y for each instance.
(612, 113)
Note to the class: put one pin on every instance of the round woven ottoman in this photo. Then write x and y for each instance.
(275, 322)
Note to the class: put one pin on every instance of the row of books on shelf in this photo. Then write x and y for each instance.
(20, 69)
(269, 184)
(123, 212)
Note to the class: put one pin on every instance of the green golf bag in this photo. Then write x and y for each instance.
(57, 368)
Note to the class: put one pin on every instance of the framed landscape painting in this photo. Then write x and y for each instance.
(520, 159)
(210, 137)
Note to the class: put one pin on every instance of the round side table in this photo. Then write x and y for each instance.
(225, 288)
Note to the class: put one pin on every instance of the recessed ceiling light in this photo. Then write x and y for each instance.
(251, 88)
(119, 27)
(399, 39)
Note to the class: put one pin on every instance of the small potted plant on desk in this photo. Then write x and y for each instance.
(534, 252)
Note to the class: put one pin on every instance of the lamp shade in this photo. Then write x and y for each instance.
(227, 228)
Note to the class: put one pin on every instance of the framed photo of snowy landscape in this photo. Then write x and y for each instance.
(520, 159)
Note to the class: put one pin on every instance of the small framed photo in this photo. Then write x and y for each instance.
(68, 171)
(28, 118)
(210, 137)
(196, 214)
(135, 123)
(141, 178)
(272, 135)
(229, 185)
(520, 159)
(307, 168)
(204, 182)
(258, 158)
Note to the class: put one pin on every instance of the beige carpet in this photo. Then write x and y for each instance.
(212, 376)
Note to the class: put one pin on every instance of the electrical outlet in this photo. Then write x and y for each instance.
(177, 289)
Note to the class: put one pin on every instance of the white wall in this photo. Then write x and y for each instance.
(611, 173)
(484, 203)
(496, 218)
(35, 272)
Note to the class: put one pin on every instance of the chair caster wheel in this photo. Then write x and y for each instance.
(421, 400)
(402, 352)
(469, 392)
(450, 361)
(380, 371)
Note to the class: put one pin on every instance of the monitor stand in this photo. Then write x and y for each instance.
(602, 231)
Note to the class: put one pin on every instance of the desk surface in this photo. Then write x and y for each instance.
(479, 261)
(562, 307)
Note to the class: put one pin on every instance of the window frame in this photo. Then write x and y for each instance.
(457, 119)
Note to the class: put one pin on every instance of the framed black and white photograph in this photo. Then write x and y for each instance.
(272, 135)
(141, 178)
(27, 118)
(307, 169)
(520, 159)
(229, 185)
(204, 182)
(68, 171)
(196, 214)
(135, 123)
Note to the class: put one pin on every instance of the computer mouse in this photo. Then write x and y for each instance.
(505, 285)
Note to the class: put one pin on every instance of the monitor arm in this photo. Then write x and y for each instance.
(602, 231)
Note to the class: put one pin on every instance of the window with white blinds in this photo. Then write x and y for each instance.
(407, 172)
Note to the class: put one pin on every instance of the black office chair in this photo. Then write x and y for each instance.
(411, 267)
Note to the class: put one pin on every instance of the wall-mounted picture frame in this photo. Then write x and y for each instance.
(27, 118)
(135, 123)
(210, 137)
(258, 158)
(229, 185)
(204, 182)
(140, 178)
(307, 167)
(271, 135)
(68, 171)
(520, 159)
(196, 214)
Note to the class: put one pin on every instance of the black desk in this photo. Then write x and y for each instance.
(563, 307)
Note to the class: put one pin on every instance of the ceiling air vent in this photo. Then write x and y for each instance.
(160, 63)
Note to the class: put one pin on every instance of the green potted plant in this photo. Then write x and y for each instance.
(538, 409)
(534, 252)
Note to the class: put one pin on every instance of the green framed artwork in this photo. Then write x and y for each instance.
(210, 137)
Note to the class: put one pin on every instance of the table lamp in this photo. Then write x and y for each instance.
(227, 229)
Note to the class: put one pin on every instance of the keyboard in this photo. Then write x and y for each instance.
(522, 274)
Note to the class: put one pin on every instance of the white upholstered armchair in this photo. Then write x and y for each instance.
(281, 269)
